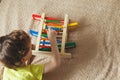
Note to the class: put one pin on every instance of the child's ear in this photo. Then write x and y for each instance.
(33, 46)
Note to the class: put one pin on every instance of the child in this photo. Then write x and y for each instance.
(16, 55)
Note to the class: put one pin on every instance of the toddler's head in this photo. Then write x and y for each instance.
(15, 49)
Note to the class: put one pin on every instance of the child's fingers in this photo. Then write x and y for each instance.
(51, 33)
(49, 30)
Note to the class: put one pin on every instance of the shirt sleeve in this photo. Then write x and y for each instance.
(37, 71)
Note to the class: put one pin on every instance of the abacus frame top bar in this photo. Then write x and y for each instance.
(64, 38)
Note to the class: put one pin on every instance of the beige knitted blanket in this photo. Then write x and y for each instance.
(97, 55)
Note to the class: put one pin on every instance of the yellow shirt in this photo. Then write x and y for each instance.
(30, 72)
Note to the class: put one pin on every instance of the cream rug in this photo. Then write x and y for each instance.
(97, 55)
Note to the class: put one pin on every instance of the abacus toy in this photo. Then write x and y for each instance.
(60, 26)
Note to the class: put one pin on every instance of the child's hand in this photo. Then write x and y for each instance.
(55, 60)
(51, 34)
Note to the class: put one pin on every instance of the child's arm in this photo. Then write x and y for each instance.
(55, 61)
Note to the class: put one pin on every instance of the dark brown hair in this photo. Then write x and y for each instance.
(13, 48)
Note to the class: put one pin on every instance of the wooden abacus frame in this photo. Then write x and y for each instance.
(64, 38)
